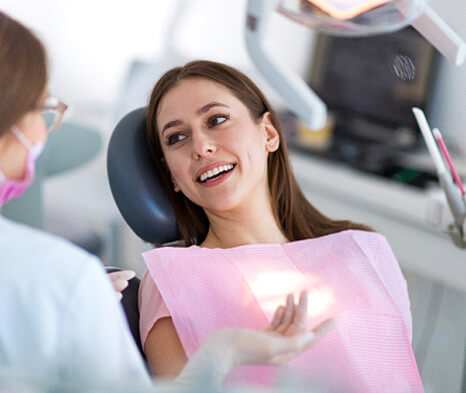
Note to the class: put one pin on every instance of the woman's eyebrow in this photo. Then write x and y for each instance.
(208, 106)
(172, 123)
(204, 109)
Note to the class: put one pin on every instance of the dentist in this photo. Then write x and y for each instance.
(59, 315)
(59, 318)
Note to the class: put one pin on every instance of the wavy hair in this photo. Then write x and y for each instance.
(298, 219)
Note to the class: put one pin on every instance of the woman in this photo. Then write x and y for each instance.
(219, 149)
(60, 319)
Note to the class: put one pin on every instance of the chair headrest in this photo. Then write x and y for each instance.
(135, 184)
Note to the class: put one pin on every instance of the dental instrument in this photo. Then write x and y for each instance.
(456, 200)
(443, 148)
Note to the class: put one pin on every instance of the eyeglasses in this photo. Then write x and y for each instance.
(52, 111)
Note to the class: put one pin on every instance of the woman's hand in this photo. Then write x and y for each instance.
(286, 336)
(120, 281)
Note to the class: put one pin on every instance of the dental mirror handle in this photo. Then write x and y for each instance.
(454, 198)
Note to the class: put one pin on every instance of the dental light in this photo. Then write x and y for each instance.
(360, 18)
(339, 17)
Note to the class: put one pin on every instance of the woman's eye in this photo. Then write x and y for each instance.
(217, 119)
(174, 138)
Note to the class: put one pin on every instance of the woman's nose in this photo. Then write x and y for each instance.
(202, 146)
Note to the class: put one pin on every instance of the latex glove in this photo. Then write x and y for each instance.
(285, 338)
(120, 281)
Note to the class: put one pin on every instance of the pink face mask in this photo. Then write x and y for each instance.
(10, 188)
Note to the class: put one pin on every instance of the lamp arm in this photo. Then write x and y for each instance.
(299, 96)
(441, 36)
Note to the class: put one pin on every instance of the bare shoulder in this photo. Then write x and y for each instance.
(164, 351)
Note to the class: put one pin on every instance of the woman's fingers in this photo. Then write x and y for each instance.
(300, 315)
(320, 330)
(276, 320)
(278, 317)
(269, 347)
(288, 315)
(286, 348)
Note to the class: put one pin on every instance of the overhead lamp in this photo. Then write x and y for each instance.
(339, 17)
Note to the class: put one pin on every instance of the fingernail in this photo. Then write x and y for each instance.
(128, 274)
(290, 299)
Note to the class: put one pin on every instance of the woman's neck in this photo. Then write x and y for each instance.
(251, 224)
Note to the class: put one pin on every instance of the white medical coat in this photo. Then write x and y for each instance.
(59, 317)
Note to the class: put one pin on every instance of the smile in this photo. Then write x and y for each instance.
(215, 173)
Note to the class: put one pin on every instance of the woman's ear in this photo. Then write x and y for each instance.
(175, 185)
(272, 139)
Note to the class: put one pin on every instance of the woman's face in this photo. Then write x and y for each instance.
(216, 153)
(13, 154)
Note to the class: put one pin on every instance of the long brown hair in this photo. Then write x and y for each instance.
(297, 218)
(23, 71)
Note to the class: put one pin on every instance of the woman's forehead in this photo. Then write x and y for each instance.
(191, 94)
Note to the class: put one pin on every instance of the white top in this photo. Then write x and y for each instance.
(59, 316)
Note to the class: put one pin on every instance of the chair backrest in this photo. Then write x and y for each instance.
(140, 197)
(135, 184)
(129, 302)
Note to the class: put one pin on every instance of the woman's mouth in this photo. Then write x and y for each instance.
(216, 175)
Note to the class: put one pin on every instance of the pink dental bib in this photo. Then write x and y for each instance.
(351, 275)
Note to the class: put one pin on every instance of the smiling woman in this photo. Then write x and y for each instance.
(216, 140)
(194, 107)
(219, 149)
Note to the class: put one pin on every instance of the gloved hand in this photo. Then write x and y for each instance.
(285, 338)
(120, 281)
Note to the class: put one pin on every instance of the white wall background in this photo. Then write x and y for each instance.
(91, 43)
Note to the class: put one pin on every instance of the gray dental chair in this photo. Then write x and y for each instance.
(135, 184)
(139, 195)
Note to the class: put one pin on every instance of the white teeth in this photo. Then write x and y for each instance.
(215, 171)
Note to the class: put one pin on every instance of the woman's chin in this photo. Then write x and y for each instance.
(220, 206)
